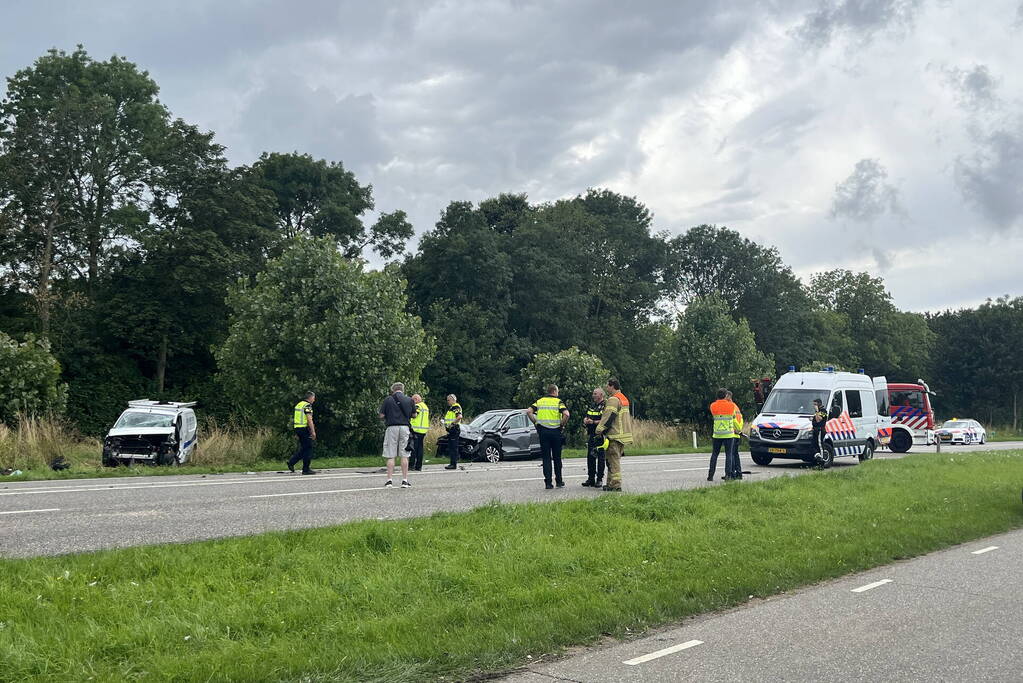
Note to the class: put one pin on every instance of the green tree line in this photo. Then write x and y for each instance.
(149, 266)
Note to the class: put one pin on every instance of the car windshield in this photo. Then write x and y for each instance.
(487, 421)
(956, 424)
(139, 419)
(794, 401)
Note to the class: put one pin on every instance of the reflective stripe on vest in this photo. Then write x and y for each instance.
(301, 419)
(548, 411)
(421, 422)
(450, 416)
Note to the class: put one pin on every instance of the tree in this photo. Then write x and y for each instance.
(322, 199)
(758, 287)
(705, 351)
(314, 320)
(575, 372)
(29, 379)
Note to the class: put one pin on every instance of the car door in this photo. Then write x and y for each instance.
(517, 434)
(854, 408)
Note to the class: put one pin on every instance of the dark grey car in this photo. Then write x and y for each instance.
(495, 435)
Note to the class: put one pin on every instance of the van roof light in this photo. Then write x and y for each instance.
(829, 368)
(861, 371)
(792, 368)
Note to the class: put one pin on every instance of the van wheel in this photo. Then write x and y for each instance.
(761, 459)
(827, 458)
(489, 451)
(868, 452)
(901, 442)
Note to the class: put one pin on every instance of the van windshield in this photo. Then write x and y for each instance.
(133, 419)
(794, 401)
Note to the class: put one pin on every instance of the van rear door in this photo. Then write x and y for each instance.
(884, 420)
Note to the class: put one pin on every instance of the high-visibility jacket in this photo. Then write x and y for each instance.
(421, 420)
(723, 412)
(548, 411)
(738, 420)
(454, 412)
(303, 409)
(616, 422)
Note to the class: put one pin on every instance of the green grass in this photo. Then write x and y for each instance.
(455, 595)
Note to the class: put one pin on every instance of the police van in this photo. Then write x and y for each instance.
(858, 420)
(154, 432)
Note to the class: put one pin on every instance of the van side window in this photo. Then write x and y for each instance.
(836, 401)
(882, 403)
(867, 400)
(852, 402)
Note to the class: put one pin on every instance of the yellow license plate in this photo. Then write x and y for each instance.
(777, 450)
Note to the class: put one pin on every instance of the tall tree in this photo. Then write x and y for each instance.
(322, 199)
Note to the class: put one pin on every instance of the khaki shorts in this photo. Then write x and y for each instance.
(395, 441)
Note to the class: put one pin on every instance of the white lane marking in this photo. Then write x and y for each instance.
(117, 486)
(313, 493)
(687, 469)
(661, 653)
(569, 476)
(985, 550)
(871, 585)
(25, 512)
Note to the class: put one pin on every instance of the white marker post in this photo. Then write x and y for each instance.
(694, 438)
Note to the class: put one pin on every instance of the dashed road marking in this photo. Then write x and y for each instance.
(869, 586)
(661, 653)
(687, 469)
(25, 512)
(313, 493)
(567, 476)
(985, 550)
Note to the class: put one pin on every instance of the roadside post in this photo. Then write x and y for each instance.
(694, 438)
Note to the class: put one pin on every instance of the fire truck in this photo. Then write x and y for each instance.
(912, 415)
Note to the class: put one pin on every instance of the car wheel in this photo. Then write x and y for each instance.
(827, 458)
(761, 459)
(901, 442)
(868, 452)
(983, 440)
(489, 451)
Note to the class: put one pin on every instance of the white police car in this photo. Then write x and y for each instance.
(963, 431)
(156, 432)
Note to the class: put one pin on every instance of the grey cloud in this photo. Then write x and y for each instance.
(991, 179)
(975, 88)
(863, 18)
(866, 195)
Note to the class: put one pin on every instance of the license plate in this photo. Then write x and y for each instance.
(777, 450)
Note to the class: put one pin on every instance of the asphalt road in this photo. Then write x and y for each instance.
(54, 517)
(955, 615)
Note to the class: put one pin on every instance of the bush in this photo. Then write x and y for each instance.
(29, 379)
(575, 372)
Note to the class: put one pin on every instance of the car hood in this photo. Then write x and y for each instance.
(781, 421)
(140, 431)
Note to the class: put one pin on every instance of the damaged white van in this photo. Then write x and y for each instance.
(155, 432)
(858, 420)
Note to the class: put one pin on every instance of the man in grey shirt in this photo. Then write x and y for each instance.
(395, 411)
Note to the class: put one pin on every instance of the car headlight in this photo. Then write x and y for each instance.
(754, 432)
(806, 433)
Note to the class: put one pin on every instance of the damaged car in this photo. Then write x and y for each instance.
(494, 436)
(153, 432)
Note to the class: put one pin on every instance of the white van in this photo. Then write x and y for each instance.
(858, 420)
(158, 432)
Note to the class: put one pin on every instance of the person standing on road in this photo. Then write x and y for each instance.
(723, 412)
(820, 418)
(420, 426)
(396, 412)
(549, 414)
(596, 448)
(305, 430)
(733, 467)
(616, 424)
(452, 418)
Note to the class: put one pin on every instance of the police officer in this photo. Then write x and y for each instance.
(420, 426)
(820, 418)
(549, 414)
(596, 448)
(305, 430)
(452, 418)
(733, 467)
(616, 424)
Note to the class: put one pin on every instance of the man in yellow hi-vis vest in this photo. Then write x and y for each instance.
(452, 418)
(420, 426)
(549, 414)
(616, 425)
(305, 430)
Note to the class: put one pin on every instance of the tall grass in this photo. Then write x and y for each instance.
(225, 445)
(35, 442)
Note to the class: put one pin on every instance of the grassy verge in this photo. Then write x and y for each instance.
(454, 595)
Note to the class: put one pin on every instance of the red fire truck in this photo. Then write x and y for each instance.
(912, 416)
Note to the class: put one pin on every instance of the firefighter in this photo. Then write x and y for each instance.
(615, 424)
(550, 414)
(452, 418)
(305, 430)
(596, 448)
(723, 412)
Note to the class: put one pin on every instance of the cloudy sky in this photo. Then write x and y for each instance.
(881, 135)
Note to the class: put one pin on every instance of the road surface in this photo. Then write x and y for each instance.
(54, 517)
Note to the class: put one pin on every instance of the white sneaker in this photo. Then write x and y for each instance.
(405, 484)
(389, 484)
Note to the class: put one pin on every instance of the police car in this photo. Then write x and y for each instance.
(154, 432)
(964, 431)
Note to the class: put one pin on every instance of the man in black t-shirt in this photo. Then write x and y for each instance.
(396, 411)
